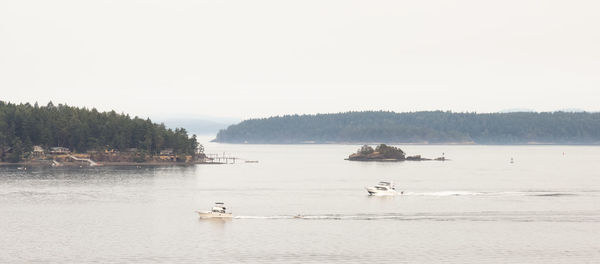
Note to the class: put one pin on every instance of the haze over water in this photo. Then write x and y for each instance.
(476, 208)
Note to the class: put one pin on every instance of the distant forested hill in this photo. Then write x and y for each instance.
(198, 126)
(79, 129)
(420, 127)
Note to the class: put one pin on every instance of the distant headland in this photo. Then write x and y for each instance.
(61, 135)
(428, 127)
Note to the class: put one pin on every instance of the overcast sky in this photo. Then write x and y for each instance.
(260, 58)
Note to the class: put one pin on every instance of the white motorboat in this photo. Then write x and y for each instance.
(382, 188)
(218, 211)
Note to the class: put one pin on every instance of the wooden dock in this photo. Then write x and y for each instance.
(224, 159)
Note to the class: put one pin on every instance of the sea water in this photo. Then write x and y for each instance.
(476, 207)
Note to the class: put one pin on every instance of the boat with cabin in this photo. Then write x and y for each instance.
(382, 188)
(218, 211)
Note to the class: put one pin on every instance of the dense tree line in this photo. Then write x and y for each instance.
(420, 127)
(382, 151)
(24, 125)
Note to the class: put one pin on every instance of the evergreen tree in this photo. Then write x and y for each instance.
(16, 153)
(80, 130)
(419, 127)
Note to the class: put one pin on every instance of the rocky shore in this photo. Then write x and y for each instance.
(385, 153)
(45, 163)
(109, 159)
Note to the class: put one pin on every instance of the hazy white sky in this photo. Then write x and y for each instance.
(259, 58)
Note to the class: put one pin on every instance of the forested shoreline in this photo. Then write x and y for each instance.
(428, 127)
(23, 126)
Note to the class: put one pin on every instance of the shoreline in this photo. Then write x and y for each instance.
(413, 143)
(396, 160)
(104, 164)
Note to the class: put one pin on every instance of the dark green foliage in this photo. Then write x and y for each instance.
(81, 129)
(381, 152)
(140, 157)
(390, 152)
(16, 153)
(365, 150)
(420, 127)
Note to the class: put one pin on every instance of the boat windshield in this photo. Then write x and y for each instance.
(217, 209)
(384, 183)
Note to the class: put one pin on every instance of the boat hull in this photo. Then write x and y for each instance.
(375, 192)
(214, 215)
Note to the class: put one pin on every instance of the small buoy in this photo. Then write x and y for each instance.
(512, 160)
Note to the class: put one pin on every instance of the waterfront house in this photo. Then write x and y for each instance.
(59, 150)
(166, 152)
(38, 152)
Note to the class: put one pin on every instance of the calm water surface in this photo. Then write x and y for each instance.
(476, 208)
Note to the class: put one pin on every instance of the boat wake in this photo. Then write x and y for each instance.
(516, 193)
(531, 216)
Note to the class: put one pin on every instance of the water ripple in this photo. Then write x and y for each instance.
(459, 216)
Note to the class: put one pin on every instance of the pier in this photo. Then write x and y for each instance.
(224, 159)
